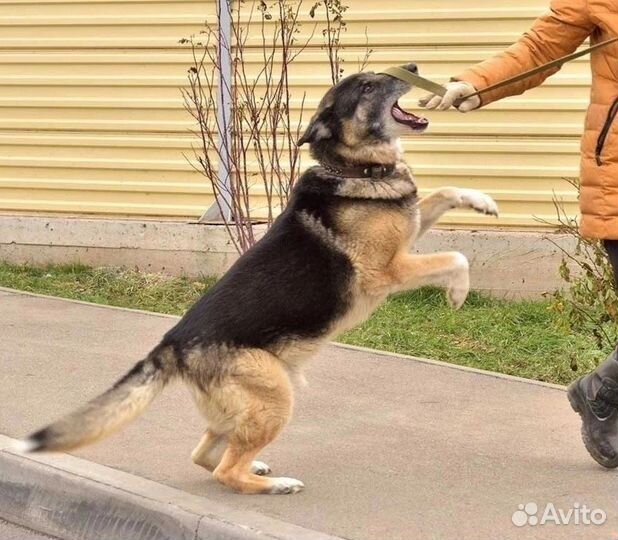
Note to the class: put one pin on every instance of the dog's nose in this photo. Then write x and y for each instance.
(412, 67)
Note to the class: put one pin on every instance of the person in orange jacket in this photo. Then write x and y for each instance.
(555, 34)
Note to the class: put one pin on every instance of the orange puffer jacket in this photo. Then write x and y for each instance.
(560, 32)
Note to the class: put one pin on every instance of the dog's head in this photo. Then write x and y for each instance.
(359, 120)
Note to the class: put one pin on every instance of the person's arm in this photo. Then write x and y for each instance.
(553, 35)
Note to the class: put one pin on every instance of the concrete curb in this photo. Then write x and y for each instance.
(5, 290)
(77, 499)
(504, 262)
(439, 363)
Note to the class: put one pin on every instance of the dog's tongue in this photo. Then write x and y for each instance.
(408, 118)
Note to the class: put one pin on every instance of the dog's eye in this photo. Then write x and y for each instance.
(367, 88)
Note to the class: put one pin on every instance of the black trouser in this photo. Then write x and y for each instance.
(612, 250)
(608, 369)
(611, 246)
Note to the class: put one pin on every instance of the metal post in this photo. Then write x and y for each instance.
(221, 210)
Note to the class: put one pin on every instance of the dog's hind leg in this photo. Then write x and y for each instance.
(235, 471)
(262, 391)
(437, 203)
(210, 449)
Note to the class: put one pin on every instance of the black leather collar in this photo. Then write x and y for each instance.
(375, 171)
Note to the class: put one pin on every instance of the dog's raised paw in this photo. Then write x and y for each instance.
(479, 201)
(260, 468)
(284, 486)
(458, 289)
(457, 297)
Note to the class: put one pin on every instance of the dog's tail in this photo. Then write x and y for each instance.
(111, 410)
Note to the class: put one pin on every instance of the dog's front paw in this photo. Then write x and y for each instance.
(459, 287)
(479, 201)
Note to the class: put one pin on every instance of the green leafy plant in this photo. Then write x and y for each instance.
(589, 301)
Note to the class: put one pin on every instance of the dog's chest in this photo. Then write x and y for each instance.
(375, 233)
(361, 306)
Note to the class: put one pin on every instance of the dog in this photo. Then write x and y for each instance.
(337, 251)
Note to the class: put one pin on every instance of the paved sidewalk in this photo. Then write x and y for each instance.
(389, 447)
(8, 531)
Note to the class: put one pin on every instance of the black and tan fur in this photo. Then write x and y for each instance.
(338, 250)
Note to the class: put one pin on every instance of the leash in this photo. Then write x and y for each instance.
(438, 89)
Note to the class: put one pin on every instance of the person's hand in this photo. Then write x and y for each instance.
(455, 91)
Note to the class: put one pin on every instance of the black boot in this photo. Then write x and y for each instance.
(595, 398)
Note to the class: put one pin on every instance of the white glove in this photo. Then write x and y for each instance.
(454, 91)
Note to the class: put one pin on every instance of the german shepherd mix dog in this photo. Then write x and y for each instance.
(332, 257)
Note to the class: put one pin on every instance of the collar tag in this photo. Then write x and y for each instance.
(377, 172)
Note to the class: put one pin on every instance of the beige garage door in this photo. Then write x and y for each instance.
(92, 119)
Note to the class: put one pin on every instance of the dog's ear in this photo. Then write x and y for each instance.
(316, 130)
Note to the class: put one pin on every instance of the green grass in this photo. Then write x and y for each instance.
(114, 287)
(517, 338)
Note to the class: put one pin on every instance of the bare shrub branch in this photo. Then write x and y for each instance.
(334, 11)
(261, 154)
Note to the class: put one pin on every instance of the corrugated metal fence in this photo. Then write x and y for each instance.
(92, 121)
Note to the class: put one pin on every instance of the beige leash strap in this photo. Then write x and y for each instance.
(415, 80)
(438, 89)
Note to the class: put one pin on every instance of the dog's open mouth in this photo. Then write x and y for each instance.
(408, 119)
